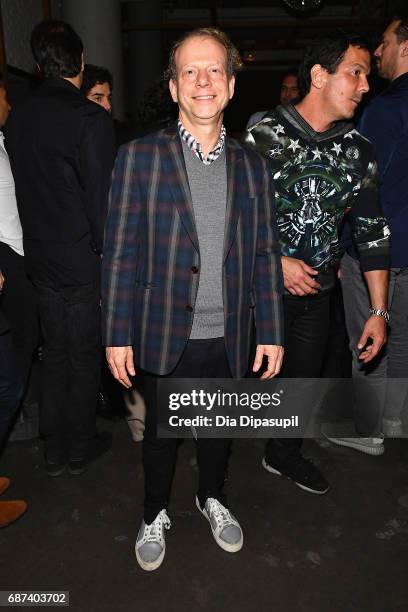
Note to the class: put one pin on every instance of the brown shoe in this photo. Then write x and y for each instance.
(4, 483)
(10, 511)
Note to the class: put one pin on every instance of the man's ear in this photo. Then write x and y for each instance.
(173, 90)
(318, 76)
(404, 48)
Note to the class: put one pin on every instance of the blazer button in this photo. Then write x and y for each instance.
(194, 269)
(189, 308)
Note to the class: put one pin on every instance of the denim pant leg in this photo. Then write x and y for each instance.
(369, 380)
(397, 348)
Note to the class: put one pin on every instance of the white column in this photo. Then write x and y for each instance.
(98, 23)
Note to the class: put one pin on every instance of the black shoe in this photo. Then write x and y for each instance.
(302, 471)
(55, 469)
(99, 446)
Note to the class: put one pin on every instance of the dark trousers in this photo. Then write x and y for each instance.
(11, 387)
(70, 324)
(307, 320)
(19, 304)
(201, 359)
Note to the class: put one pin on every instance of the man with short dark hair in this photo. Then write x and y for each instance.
(385, 123)
(323, 169)
(61, 149)
(97, 85)
(190, 263)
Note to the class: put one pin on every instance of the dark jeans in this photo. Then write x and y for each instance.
(201, 359)
(11, 387)
(70, 323)
(19, 304)
(307, 320)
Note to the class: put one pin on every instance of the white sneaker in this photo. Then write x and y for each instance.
(225, 527)
(150, 544)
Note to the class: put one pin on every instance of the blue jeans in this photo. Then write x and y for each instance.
(378, 395)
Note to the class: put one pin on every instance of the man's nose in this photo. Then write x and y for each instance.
(364, 86)
(202, 78)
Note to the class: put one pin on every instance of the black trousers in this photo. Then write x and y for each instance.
(11, 384)
(201, 359)
(70, 324)
(307, 320)
(19, 304)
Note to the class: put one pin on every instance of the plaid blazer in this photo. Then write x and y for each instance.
(151, 261)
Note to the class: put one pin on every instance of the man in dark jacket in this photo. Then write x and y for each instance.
(385, 123)
(323, 170)
(61, 148)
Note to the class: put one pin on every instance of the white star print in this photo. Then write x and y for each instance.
(317, 154)
(336, 148)
(294, 144)
(279, 129)
(348, 135)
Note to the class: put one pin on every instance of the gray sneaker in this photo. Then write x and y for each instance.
(225, 527)
(344, 434)
(150, 544)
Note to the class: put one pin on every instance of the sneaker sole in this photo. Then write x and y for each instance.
(272, 470)
(367, 450)
(224, 545)
(56, 473)
(150, 566)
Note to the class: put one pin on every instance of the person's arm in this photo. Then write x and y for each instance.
(372, 238)
(97, 154)
(119, 266)
(375, 328)
(268, 284)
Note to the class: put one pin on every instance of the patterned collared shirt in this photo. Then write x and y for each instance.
(195, 146)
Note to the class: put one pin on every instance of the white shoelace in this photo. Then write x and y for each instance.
(154, 531)
(221, 514)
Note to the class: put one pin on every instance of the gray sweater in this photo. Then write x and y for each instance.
(208, 187)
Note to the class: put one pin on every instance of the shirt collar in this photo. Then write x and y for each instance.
(195, 146)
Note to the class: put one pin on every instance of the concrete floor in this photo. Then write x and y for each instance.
(344, 551)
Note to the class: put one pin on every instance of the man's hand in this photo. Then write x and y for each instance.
(274, 354)
(298, 277)
(375, 329)
(120, 360)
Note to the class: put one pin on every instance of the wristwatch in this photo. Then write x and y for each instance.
(380, 312)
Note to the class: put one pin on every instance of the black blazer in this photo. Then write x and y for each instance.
(61, 149)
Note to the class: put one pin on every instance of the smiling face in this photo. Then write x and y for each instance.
(101, 94)
(388, 52)
(343, 91)
(202, 88)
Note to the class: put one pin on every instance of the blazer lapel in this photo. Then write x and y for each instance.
(175, 167)
(233, 156)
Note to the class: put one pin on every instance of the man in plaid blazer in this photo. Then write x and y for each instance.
(191, 262)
